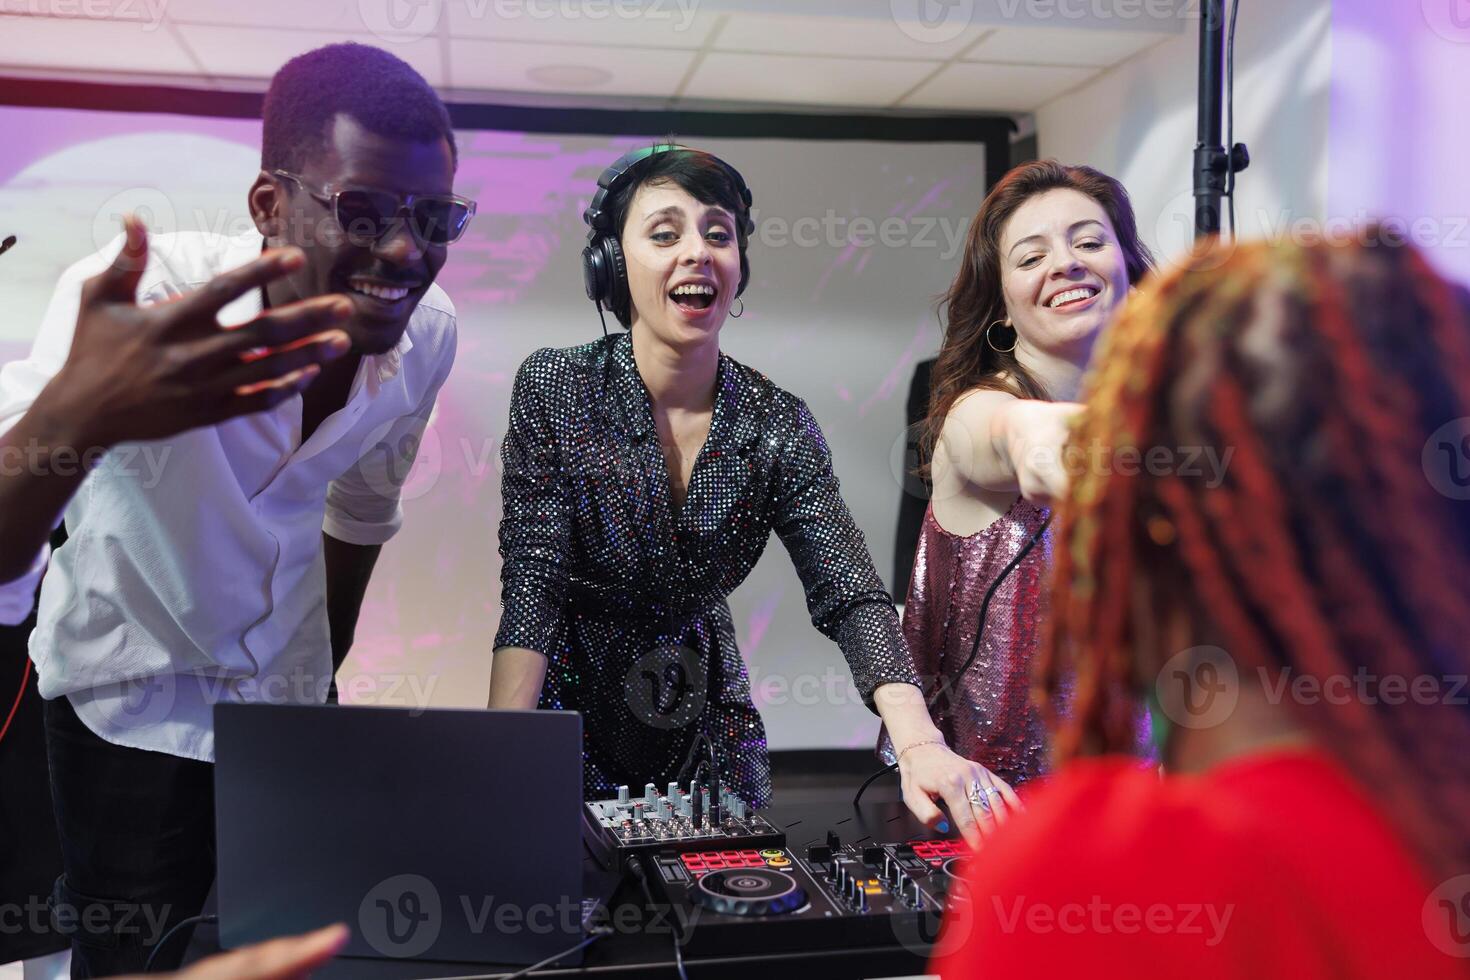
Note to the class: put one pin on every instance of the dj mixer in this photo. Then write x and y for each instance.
(734, 884)
(831, 894)
(708, 816)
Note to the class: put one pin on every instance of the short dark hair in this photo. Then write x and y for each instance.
(702, 175)
(379, 90)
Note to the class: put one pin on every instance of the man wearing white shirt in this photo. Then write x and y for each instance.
(227, 562)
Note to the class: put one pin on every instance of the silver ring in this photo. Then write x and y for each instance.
(979, 796)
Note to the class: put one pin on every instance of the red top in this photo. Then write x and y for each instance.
(1275, 865)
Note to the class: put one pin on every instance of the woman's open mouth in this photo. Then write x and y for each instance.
(695, 297)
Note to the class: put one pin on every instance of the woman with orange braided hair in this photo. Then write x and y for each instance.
(1298, 623)
(1051, 257)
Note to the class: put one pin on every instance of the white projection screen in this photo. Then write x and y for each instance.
(855, 241)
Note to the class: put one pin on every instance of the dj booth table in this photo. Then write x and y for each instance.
(899, 950)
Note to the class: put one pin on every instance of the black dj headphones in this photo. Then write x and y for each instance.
(604, 270)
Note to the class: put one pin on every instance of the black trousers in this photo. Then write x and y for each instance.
(137, 846)
(30, 858)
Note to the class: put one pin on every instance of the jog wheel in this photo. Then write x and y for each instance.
(749, 891)
(949, 879)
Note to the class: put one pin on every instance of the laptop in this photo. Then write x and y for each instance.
(435, 834)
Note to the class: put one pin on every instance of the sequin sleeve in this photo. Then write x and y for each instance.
(844, 594)
(535, 529)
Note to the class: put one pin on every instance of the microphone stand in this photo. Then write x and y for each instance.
(1213, 165)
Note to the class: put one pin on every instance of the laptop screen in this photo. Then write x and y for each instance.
(436, 834)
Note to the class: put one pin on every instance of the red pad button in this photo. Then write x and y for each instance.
(939, 848)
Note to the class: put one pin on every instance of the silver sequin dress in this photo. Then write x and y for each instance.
(627, 597)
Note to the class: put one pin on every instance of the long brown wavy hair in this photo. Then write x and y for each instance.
(975, 301)
(1334, 541)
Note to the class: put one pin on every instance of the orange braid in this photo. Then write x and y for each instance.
(1325, 551)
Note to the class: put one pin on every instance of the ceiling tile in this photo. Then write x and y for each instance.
(868, 37)
(666, 24)
(553, 68)
(795, 79)
(346, 16)
(1061, 46)
(101, 45)
(996, 88)
(254, 52)
(130, 10)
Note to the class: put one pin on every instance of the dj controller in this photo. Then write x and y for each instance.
(831, 896)
(734, 882)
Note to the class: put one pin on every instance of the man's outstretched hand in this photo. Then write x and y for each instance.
(137, 373)
(147, 372)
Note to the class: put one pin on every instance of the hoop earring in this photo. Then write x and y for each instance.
(742, 309)
(991, 343)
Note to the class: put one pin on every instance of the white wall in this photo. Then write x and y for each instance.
(1399, 139)
(853, 242)
(1137, 123)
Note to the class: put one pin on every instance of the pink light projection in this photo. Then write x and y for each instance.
(838, 323)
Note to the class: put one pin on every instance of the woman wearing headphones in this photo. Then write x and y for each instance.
(643, 476)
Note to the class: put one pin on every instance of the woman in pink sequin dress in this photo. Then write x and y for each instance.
(1051, 257)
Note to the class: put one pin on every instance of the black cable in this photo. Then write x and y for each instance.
(944, 683)
(606, 363)
(871, 780)
(598, 932)
(192, 920)
(632, 867)
(709, 756)
(25, 680)
(1230, 114)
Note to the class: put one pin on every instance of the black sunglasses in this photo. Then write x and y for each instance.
(365, 214)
